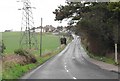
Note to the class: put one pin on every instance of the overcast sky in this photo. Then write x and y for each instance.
(10, 16)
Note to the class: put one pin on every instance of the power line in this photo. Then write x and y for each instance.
(28, 37)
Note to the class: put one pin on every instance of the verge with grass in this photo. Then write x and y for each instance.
(15, 71)
(19, 60)
(99, 58)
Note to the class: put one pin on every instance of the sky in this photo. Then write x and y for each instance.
(10, 16)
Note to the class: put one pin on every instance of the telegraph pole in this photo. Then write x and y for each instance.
(116, 54)
(41, 39)
(116, 45)
(116, 41)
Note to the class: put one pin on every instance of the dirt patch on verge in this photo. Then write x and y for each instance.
(18, 59)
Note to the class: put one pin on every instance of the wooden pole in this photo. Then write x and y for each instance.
(41, 39)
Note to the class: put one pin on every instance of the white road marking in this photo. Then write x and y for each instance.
(67, 70)
(74, 78)
(65, 66)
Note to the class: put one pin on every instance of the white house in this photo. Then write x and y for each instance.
(38, 29)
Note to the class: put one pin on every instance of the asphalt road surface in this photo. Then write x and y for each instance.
(71, 63)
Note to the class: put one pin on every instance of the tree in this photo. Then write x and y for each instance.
(115, 8)
(95, 21)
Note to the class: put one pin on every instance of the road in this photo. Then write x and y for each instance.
(71, 63)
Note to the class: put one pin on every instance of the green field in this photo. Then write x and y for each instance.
(11, 41)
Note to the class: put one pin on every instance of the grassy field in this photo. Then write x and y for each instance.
(11, 41)
(15, 70)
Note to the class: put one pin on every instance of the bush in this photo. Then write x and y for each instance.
(2, 47)
(29, 57)
(21, 52)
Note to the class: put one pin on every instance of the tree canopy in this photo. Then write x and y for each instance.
(98, 23)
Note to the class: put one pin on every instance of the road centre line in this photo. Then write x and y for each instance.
(74, 78)
(67, 70)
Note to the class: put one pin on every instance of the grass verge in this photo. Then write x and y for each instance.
(15, 71)
(100, 58)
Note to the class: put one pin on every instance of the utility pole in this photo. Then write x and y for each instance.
(116, 54)
(41, 39)
(116, 40)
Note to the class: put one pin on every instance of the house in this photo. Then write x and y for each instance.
(49, 28)
(38, 29)
(8, 31)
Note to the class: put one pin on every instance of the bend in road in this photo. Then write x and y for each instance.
(70, 64)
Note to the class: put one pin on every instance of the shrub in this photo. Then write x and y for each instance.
(20, 52)
(29, 57)
(2, 47)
